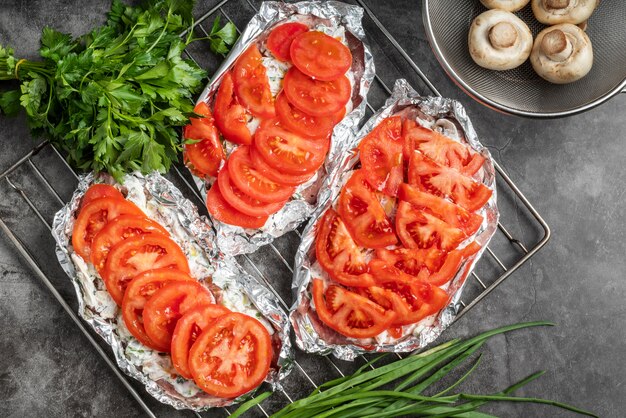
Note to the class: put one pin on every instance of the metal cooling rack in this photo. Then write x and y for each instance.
(41, 182)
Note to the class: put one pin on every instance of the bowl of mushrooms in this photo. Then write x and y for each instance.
(535, 58)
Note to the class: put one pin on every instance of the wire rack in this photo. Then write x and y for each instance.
(41, 181)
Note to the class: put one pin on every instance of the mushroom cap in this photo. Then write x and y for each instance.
(506, 5)
(553, 12)
(562, 54)
(499, 40)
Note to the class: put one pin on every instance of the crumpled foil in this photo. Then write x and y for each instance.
(236, 240)
(229, 283)
(312, 335)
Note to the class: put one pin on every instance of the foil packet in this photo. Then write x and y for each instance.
(229, 283)
(336, 19)
(449, 117)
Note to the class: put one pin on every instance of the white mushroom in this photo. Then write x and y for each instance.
(499, 40)
(562, 54)
(553, 12)
(508, 5)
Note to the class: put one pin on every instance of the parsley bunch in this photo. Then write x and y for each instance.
(112, 98)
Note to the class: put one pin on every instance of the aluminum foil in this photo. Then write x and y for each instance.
(312, 335)
(236, 240)
(230, 285)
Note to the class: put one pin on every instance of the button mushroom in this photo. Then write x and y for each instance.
(562, 54)
(508, 5)
(552, 12)
(499, 40)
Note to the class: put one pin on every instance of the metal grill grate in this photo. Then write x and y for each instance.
(41, 182)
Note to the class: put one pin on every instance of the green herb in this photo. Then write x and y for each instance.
(366, 393)
(222, 39)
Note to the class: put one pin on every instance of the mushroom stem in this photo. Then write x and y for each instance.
(557, 46)
(503, 35)
(556, 4)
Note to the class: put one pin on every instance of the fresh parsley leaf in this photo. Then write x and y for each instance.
(10, 102)
(221, 40)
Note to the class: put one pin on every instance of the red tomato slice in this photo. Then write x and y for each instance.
(288, 152)
(221, 210)
(418, 229)
(116, 231)
(440, 148)
(242, 202)
(230, 117)
(320, 56)
(188, 329)
(97, 191)
(168, 305)
(448, 212)
(414, 261)
(136, 255)
(274, 174)
(316, 97)
(430, 176)
(348, 313)
(302, 123)
(280, 38)
(363, 214)
(381, 156)
(232, 356)
(203, 157)
(252, 85)
(250, 180)
(93, 217)
(137, 294)
(338, 254)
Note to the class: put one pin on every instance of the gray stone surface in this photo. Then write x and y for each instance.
(571, 169)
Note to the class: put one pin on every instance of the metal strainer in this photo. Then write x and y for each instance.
(520, 91)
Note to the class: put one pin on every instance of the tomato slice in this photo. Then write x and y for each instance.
(363, 214)
(97, 191)
(221, 210)
(349, 313)
(418, 229)
(203, 157)
(275, 174)
(116, 231)
(454, 215)
(242, 202)
(302, 123)
(168, 305)
(280, 38)
(320, 56)
(430, 176)
(252, 86)
(413, 261)
(94, 216)
(137, 294)
(288, 152)
(250, 180)
(230, 117)
(440, 148)
(381, 156)
(188, 329)
(136, 255)
(338, 254)
(316, 97)
(232, 356)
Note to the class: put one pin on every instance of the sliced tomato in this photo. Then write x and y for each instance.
(97, 191)
(454, 215)
(138, 254)
(168, 305)
(381, 156)
(349, 313)
(116, 231)
(94, 216)
(137, 294)
(288, 152)
(363, 214)
(230, 117)
(316, 97)
(203, 157)
(413, 261)
(338, 254)
(280, 38)
(302, 123)
(320, 56)
(221, 210)
(188, 329)
(418, 229)
(452, 263)
(232, 356)
(275, 174)
(430, 176)
(252, 86)
(440, 148)
(250, 180)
